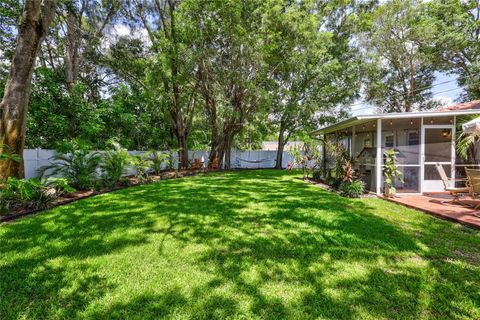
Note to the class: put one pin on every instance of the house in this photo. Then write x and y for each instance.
(273, 145)
(420, 139)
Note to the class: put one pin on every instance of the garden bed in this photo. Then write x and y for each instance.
(322, 185)
(82, 194)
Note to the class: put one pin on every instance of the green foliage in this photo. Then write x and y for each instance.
(76, 162)
(61, 185)
(171, 158)
(142, 164)
(317, 175)
(400, 65)
(114, 164)
(25, 193)
(7, 155)
(466, 142)
(456, 47)
(390, 170)
(56, 114)
(352, 189)
(307, 156)
(333, 181)
(159, 159)
(335, 149)
(314, 70)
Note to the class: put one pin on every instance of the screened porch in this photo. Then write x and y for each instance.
(420, 140)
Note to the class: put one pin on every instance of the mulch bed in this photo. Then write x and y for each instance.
(75, 196)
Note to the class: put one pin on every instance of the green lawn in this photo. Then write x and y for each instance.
(249, 244)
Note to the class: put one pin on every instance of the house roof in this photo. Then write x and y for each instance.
(396, 115)
(471, 105)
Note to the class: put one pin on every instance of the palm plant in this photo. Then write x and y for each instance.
(25, 193)
(75, 162)
(466, 141)
(158, 159)
(142, 165)
(114, 164)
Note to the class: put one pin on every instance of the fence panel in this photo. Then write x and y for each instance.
(253, 159)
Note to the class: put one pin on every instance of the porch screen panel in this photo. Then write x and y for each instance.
(438, 145)
(364, 153)
(404, 134)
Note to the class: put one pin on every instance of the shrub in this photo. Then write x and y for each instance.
(352, 189)
(75, 162)
(348, 172)
(60, 185)
(171, 158)
(158, 159)
(317, 175)
(114, 164)
(391, 171)
(25, 193)
(142, 165)
(334, 182)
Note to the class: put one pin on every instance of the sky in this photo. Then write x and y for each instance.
(444, 88)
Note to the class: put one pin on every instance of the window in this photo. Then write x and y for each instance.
(366, 143)
(389, 141)
(413, 138)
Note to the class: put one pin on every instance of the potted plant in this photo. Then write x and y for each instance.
(391, 173)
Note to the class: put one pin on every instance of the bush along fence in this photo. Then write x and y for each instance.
(35, 159)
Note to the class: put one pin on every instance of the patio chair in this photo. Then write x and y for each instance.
(449, 186)
(473, 176)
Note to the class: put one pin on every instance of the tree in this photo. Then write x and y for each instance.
(312, 72)
(10, 10)
(400, 69)
(83, 24)
(169, 78)
(33, 28)
(230, 69)
(457, 41)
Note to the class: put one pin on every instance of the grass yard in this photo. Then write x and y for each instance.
(247, 244)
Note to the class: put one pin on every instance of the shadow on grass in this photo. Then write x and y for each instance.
(274, 247)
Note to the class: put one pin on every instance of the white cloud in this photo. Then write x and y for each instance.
(121, 30)
(444, 100)
(124, 30)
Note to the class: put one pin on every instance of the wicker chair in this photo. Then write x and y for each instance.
(449, 186)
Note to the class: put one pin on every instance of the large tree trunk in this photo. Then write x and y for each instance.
(36, 19)
(72, 48)
(281, 146)
(182, 152)
(228, 150)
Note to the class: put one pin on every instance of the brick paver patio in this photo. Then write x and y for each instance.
(432, 204)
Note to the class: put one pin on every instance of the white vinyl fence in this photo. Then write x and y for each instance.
(36, 158)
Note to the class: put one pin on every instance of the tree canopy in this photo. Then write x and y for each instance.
(200, 74)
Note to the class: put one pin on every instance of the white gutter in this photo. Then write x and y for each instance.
(361, 119)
